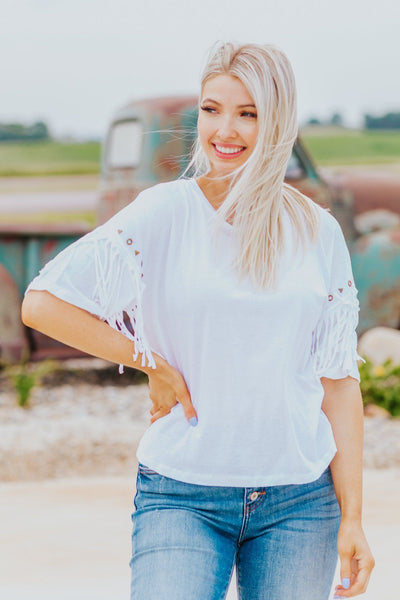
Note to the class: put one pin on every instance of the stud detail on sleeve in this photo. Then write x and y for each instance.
(334, 344)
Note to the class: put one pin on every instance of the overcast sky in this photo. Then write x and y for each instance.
(72, 63)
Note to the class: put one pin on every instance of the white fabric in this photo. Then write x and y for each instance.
(252, 359)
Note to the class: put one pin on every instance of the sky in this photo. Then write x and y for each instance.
(73, 63)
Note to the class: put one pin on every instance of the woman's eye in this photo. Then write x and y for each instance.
(212, 110)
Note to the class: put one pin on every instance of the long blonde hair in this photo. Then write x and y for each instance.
(257, 193)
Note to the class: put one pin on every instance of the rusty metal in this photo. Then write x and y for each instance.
(376, 265)
(43, 229)
(13, 342)
(370, 190)
(168, 132)
(347, 195)
(22, 254)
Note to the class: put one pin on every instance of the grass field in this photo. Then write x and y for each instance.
(347, 147)
(85, 217)
(327, 146)
(48, 158)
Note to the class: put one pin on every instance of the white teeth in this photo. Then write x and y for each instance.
(228, 150)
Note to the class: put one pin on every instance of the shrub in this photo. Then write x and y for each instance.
(25, 377)
(380, 384)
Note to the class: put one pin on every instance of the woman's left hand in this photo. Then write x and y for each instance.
(356, 560)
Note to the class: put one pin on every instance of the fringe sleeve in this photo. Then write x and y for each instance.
(102, 274)
(334, 340)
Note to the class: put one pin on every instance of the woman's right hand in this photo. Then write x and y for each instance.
(80, 329)
(167, 388)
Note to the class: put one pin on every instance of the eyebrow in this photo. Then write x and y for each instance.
(239, 105)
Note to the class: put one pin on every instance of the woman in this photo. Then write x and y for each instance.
(235, 294)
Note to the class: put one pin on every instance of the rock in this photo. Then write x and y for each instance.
(381, 443)
(380, 343)
(373, 410)
(376, 220)
(72, 430)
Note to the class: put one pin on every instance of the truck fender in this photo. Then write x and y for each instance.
(375, 260)
(13, 341)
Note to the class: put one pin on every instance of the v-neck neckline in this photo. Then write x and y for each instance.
(207, 202)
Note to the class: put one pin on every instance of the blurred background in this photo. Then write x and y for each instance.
(98, 101)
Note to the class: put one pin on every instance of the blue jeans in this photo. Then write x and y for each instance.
(187, 538)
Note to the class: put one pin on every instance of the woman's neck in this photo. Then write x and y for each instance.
(214, 190)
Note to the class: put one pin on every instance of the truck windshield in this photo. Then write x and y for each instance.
(124, 144)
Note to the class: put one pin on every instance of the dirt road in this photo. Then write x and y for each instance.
(31, 195)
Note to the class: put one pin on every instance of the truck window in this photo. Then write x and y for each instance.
(124, 146)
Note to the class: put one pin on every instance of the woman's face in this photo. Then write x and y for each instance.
(227, 123)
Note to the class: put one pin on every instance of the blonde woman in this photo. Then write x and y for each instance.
(234, 293)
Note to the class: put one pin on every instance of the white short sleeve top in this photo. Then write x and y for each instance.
(252, 359)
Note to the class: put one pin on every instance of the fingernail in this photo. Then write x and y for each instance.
(346, 583)
(193, 421)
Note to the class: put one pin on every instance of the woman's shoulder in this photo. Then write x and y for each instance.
(324, 232)
(164, 189)
(327, 218)
(330, 239)
(329, 226)
(161, 198)
(157, 202)
(325, 224)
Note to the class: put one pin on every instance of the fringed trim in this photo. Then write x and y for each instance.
(134, 332)
(334, 342)
(121, 265)
(114, 270)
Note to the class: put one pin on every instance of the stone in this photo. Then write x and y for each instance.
(380, 343)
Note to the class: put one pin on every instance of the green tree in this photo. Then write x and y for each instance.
(387, 121)
(313, 121)
(337, 120)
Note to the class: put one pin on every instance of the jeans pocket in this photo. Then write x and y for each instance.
(143, 469)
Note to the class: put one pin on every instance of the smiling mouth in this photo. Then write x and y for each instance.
(228, 152)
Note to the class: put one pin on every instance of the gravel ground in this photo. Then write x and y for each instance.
(90, 423)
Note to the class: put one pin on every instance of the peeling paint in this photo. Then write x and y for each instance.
(169, 128)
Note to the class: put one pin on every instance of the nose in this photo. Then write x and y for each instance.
(226, 129)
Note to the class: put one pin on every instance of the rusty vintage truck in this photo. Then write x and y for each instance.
(149, 141)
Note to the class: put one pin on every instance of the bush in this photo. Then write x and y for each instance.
(380, 384)
(25, 377)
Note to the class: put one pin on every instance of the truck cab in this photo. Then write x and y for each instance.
(150, 141)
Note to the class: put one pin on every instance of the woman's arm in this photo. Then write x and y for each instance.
(77, 328)
(343, 407)
(80, 329)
